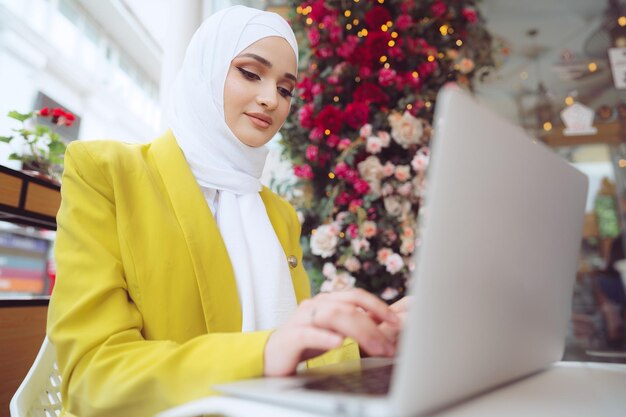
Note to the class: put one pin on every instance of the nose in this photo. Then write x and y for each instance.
(267, 97)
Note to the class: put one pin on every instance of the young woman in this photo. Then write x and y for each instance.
(177, 270)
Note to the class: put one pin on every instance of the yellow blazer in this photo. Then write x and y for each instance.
(145, 313)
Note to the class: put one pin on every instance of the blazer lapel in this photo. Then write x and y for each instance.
(211, 263)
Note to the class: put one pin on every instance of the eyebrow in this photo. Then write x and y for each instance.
(268, 64)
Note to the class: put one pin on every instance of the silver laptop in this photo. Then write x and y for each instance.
(493, 280)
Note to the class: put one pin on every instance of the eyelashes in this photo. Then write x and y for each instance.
(251, 76)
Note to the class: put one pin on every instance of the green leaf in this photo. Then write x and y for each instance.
(15, 157)
(19, 116)
(6, 139)
(56, 148)
(41, 130)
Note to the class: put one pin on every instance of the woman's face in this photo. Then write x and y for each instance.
(258, 90)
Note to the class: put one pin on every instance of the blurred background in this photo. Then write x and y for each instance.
(110, 63)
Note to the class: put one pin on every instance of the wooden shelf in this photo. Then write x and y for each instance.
(28, 200)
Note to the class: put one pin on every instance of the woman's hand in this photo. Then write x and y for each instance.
(401, 308)
(322, 322)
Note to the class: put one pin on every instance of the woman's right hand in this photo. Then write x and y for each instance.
(322, 322)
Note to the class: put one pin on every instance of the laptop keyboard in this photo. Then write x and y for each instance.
(374, 381)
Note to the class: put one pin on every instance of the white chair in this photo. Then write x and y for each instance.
(39, 395)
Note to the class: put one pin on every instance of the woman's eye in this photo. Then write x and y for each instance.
(249, 75)
(284, 92)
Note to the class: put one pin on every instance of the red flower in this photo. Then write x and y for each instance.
(386, 77)
(342, 169)
(361, 186)
(303, 171)
(332, 140)
(305, 115)
(342, 199)
(330, 118)
(376, 17)
(356, 114)
(404, 21)
(377, 43)
(355, 204)
(316, 134)
(57, 112)
(438, 9)
(45, 112)
(325, 52)
(470, 15)
(314, 37)
(346, 49)
(369, 93)
(305, 86)
(312, 153)
(69, 116)
(319, 11)
(353, 230)
(344, 143)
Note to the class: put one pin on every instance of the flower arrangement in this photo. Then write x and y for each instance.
(359, 129)
(44, 148)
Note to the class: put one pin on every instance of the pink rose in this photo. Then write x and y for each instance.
(366, 130)
(403, 172)
(312, 153)
(303, 171)
(344, 144)
(382, 255)
(369, 229)
(388, 169)
(314, 37)
(403, 21)
(373, 145)
(394, 263)
(384, 137)
(353, 231)
(386, 77)
(361, 186)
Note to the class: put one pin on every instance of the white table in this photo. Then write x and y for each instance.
(572, 389)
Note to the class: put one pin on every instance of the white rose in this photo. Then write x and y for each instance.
(392, 205)
(394, 263)
(419, 162)
(386, 190)
(359, 244)
(406, 130)
(352, 264)
(405, 189)
(329, 270)
(370, 169)
(324, 241)
(374, 145)
(407, 247)
(368, 229)
(389, 294)
(403, 172)
(384, 137)
(342, 281)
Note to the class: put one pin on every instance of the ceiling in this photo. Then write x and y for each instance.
(554, 55)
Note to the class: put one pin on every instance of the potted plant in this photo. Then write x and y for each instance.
(43, 150)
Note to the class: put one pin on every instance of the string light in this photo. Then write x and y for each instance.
(622, 163)
(357, 79)
(309, 20)
(356, 1)
(364, 32)
(386, 65)
(459, 42)
(391, 44)
(384, 28)
(389, 23)
(299, 9)
(569, 100)
(394, 34)
(440, 55)
(431, 58)
(313, 231)
(347, 13)
(547, 126)
(428, 104)
(443, 29)
(381, 1)
(383, 58)
(342, 235)
(409, 106)
(621, 21)
(336, 99)
(415, 74)
(450, 31)
(348, 26)
(331, 175)
(321, 26)
(592, 67)
(355, 22)
(327, 132)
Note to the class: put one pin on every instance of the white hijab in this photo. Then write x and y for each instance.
(222, 162)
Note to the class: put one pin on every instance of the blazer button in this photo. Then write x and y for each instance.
(292, 261)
